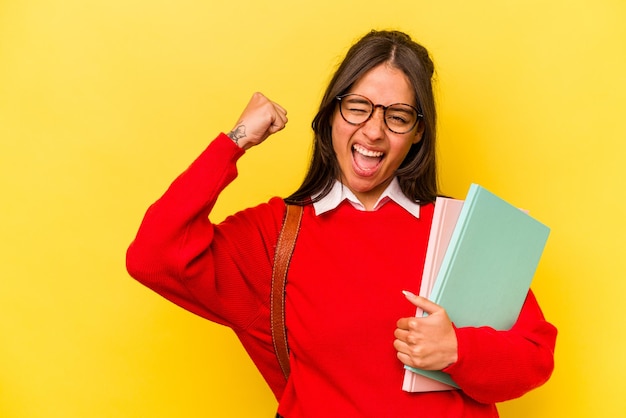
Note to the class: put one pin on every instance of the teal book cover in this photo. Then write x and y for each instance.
(488, 266)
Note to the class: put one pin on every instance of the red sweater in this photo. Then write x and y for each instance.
(343, 300)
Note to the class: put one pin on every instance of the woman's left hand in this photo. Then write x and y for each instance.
(427, 343)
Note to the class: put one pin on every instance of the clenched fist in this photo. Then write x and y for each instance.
(260, 119)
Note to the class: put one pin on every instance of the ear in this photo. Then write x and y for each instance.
(419, 132)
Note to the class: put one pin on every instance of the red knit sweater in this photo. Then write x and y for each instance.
(343, 300)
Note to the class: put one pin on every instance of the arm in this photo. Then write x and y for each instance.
(206, 268)
(495, 366)
(488, 365)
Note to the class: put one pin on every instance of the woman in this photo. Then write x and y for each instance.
(368, 203)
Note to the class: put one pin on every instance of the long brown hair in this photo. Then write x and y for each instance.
(417, 174)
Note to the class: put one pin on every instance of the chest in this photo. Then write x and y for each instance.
(351, 269)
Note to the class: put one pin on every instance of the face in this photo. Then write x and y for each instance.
(369, 154)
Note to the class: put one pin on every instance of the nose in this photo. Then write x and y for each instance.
(374, 127)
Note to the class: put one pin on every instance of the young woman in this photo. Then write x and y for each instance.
(367, 208)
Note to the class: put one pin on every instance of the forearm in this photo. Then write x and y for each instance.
(175, 229)
(495, 366)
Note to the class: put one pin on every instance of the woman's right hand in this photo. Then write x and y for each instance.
(260, 119)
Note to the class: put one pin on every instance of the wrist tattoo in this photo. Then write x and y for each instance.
(237, 133)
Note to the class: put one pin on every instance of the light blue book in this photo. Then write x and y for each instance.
(488, 266)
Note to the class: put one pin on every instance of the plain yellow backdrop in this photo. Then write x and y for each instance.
(103, 103)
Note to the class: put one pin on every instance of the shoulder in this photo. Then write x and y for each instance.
(266, 218)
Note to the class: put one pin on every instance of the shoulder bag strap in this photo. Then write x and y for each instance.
(284, 249)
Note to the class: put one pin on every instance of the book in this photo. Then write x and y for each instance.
(488, 266)
(445, 215)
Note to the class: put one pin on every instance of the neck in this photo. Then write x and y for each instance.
(368, 198)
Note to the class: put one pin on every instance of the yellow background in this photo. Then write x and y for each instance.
(103, 103)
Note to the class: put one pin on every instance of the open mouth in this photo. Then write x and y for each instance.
(366, 161)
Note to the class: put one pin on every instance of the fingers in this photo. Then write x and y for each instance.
(421, 302)
(402, 352)
(426, 347)
(280, 118)
(410, 350)
(275, 113)
(281, 112)
(427, 343)
(260, 119)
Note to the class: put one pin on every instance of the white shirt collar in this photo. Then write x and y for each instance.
(339, 193)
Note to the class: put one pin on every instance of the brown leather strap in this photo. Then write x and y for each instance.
(284, 249)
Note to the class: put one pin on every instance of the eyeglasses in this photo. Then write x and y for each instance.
(399, 118)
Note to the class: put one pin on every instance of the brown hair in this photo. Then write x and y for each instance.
(417, 174)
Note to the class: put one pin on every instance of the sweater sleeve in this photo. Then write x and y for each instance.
(219, 272)
(495, 366)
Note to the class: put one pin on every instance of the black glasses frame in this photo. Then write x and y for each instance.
(384, 108)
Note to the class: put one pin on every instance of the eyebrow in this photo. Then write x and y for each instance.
(362, 99)
(358, 99)
(407, 110)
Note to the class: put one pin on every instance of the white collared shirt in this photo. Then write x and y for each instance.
(339, 193)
